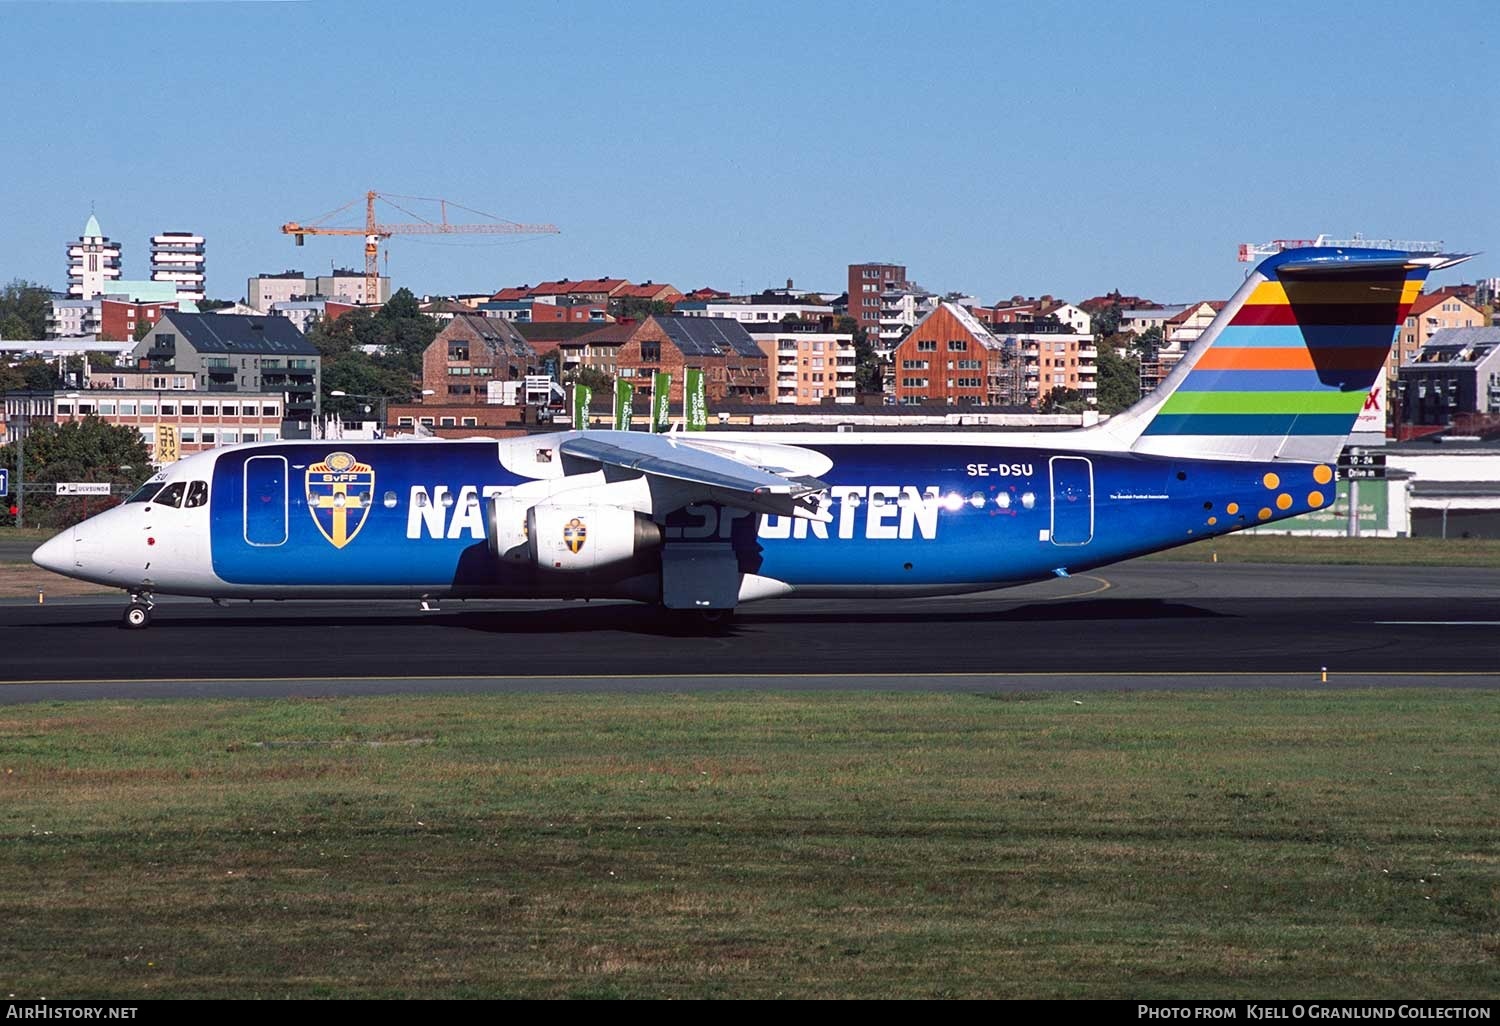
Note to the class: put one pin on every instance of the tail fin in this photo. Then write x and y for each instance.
(1284, 369)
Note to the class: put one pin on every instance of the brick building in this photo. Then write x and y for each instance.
(808, 363)
(470, 354)
(203, 420)
(119, 318)
(598, 350)
(1429, 315)
(456, 420)
(866, 283)
(734, 366)
(950, 357)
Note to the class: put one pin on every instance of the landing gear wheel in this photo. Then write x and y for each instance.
(714, 620)
(706, 622)
(137, 616)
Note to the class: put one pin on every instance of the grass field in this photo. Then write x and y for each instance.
(1253, 548)
(1103, 845)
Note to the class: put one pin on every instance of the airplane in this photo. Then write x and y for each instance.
(1243, 432)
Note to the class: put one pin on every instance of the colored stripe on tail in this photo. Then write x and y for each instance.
(1284, 369)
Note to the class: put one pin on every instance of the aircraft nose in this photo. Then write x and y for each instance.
(56, 554)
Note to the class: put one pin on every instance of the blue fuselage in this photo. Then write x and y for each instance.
(906, 518)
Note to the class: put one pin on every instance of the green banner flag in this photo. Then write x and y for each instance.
(661, 392)
(623, 394)
(582, 396)
(694, 401)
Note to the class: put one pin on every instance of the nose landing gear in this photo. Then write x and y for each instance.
(138, 613)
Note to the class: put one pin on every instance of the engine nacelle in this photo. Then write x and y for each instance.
(575, 538)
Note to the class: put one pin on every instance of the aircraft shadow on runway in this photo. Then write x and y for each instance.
(647, 620)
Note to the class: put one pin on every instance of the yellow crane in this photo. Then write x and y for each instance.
(375, 232)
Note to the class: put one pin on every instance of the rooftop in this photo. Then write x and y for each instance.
(236, 333)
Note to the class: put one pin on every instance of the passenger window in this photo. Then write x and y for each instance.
(197, 494)
(172, 494)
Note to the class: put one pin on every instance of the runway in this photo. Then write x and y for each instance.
(1137, 625)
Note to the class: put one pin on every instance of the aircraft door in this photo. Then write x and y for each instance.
(1072, 500)
(265, 500)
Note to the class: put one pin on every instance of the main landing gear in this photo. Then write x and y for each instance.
(138, 613)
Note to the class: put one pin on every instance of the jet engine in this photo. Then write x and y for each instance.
(570, 537)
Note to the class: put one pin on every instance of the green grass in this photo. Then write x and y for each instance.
(1100, 845)
(10, 532)
(1251, 548)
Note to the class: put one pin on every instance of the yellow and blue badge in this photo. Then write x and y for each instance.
(340, 492)
(575, 534)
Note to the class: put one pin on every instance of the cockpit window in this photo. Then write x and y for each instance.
(197, 494)
(172, 494)
(146, 492)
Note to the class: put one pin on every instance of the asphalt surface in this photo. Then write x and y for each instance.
(1138, 625)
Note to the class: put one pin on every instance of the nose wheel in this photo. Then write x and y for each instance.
(138, 613)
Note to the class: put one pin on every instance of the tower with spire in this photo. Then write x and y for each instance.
(93, 262)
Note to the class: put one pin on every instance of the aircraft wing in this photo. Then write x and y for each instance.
(725, 479)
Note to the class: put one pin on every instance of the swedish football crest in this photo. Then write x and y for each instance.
(340, 492)
(575, 534)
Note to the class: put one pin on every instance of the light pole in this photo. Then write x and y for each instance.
(380, 428)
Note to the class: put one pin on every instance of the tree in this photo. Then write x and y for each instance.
(1147, 344)
(80, 450)
(640, 309)
(596, 379)
(210, 305)
(142, 329)
(24, 307)
(1119, 379)
(1064, 400)
(401, 306)
(1107, 319)
(866, 360)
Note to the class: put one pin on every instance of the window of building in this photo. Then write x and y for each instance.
(190, 409)
(405, 422)
(210, 410)
(208, 436)
(148, 409)
(958, 345)
(458, 351)
(127, 409)
(926, 345)
(448, 422)
(188, 434)
(169, 409)
(230, 438)
(107, 409)
(470, 422)
(428, 422)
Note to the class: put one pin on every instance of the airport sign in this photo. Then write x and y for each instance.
(83, 488)
(4, 481)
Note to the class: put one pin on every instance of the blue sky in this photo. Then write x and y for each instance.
(993, 148)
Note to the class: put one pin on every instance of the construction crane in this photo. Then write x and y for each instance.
(375, 232)
(1249, 251)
